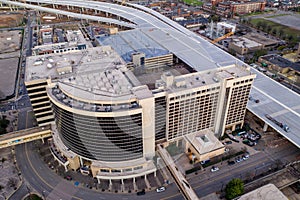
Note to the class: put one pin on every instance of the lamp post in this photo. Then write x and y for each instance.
(222, 186)
(44, 195)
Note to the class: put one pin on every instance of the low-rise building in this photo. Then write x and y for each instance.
(266, 192)
(242, 45)
(283, 66)
(264, 40)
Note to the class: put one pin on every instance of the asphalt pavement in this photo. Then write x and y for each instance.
(46, 182)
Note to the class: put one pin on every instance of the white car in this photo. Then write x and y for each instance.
(245, 157)
(160, 189)
(214, 169)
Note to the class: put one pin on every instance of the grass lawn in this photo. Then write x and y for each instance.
(276, 15)
(193, 2)
(286, 30)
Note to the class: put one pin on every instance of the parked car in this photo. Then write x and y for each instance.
(142, 192)
(238, 159)
(245, 157)
(204, 162)
(214, 169)
(230, 162)
(227, 142)
(160, 189)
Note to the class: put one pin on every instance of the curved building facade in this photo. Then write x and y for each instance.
(101, 138)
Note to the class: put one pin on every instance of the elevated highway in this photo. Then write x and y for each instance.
(279, 102)
(275, 99)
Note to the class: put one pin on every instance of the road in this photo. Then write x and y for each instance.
(42, 179)
(206, 182)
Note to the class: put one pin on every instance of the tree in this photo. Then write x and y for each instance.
(3, 125)
(259, 24)
(234, 188)
(274, 31)
(259, 53)
(280, 32)
(268, 28)
(263, 26)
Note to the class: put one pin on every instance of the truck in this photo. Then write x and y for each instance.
(281, 125)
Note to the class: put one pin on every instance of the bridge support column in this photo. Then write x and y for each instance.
(233, 127)
(122, 181)
(66, 168)
(133, 179)
(68, 7)
(81, 162)
(145, 177)
(155, 174)
(43, 140)
(110, 182)
(265, 128)
(98, 179)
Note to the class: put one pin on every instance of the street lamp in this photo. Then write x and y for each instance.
(28, 189)
(44, 195)
(222, 186)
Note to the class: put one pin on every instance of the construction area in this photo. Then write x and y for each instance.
(10, 20)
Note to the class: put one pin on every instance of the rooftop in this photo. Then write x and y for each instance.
(243, 42)
(266, 192)
(259, 38)
(72, 63)
(74, 38)
(204, 141)
(128, 42)
(281, 62)
(198, 79)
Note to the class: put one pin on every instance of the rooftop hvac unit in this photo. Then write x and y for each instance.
(216, 79)
(49, 66)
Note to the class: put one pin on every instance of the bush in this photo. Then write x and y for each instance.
(193, 170)
(234, 188)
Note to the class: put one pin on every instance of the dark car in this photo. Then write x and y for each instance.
(228, 142)
(142, 192)
(231, 162)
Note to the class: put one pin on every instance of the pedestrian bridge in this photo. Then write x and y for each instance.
(23, 136)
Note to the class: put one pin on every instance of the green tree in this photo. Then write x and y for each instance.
(274, 31)
(259, 53)
(3, 125)
(234, 188)
(259, 24)
(268, 28)
(280, 32)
